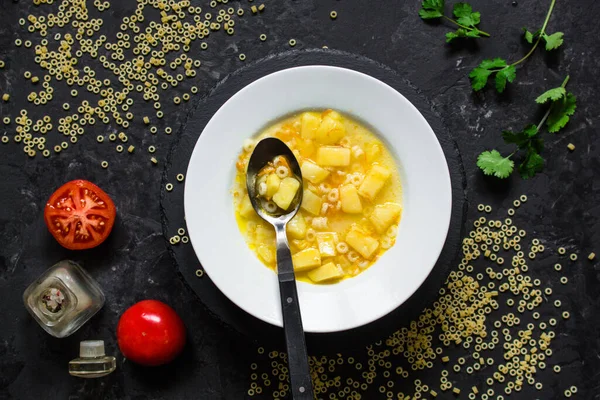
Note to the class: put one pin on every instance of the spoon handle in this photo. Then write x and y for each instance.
(292, 320)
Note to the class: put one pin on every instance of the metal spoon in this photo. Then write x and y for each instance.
(265, 151)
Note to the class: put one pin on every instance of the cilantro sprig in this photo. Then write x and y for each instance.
(527, 141)
(466, 19)
(504, 72)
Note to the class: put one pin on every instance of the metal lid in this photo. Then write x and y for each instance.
(91, 348)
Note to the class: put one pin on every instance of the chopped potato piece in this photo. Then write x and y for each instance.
(296, 228)
(306, 259)
(267, 253)
(306, 148)
(286, 193)
(332, 114)
(273, 182)
(330, 131)
(313, 173)
(374, 182)
(246, 209)
(264, 234)
(373, 152)
(310, 124)
(311, 202)
(350, 201)
(326, 272)
(333, 156)
(364, 244)
(385, 215)
(327, 242)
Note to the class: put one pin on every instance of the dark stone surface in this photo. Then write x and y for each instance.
(135, 264)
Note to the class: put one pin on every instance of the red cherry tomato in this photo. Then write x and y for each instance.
(150, 333)
(79, 215)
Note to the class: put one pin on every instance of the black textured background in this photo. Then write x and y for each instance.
(135, 263)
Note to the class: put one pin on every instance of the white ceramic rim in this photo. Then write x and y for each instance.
(427, 201)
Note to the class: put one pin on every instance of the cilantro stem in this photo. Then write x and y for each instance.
(550, 108)
(466, 27)
(538, 40)
(543, 119)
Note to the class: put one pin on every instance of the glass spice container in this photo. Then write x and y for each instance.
(63, 298)
(92, 361)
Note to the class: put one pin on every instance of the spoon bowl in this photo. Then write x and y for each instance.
(264, 152)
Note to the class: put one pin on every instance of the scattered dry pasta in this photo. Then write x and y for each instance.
(467, 314)
(149, 53)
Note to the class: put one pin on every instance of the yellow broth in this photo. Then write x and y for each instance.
(352, 198)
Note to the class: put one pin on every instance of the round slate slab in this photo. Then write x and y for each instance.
(173, 214)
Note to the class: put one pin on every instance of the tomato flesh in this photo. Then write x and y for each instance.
(80, 215)
(150, 333)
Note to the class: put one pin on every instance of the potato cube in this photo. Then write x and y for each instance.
(326, 272)
(310, 124)
(273, 182)
(385, 215)
(266, 253)
(332, 114)
(297, 245)
(306, 148)
(313, 173)
(286, 193)
(330, 131)
(264, 234)
(373, 182)
(296, 228)
(333, 156)
(311, 202)
(327, 242)
(350, 201)
(306, 259)
(373, 153)
(246, 210)
(364, 244)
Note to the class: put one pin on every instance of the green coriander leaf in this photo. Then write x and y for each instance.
(521, 139)
(432, 9)
(525, 139)
(533, 164)
(536, 144)
(528, 36)
(500, 82)
(506, 74)
(450, 36)
(495, 63)
(479, 77)
(465, 15)
(475, 33)
(492, 163)
(429, 14)
(462, 33)
(518, 138)
(530, 131)
(462, 10)
(560, 112)
(552, 94)
(553, 41)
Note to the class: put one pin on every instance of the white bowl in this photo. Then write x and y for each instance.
(427, 201)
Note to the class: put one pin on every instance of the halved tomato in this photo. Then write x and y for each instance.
(80, 215)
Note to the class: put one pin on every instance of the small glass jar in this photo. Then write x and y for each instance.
(63, 298)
